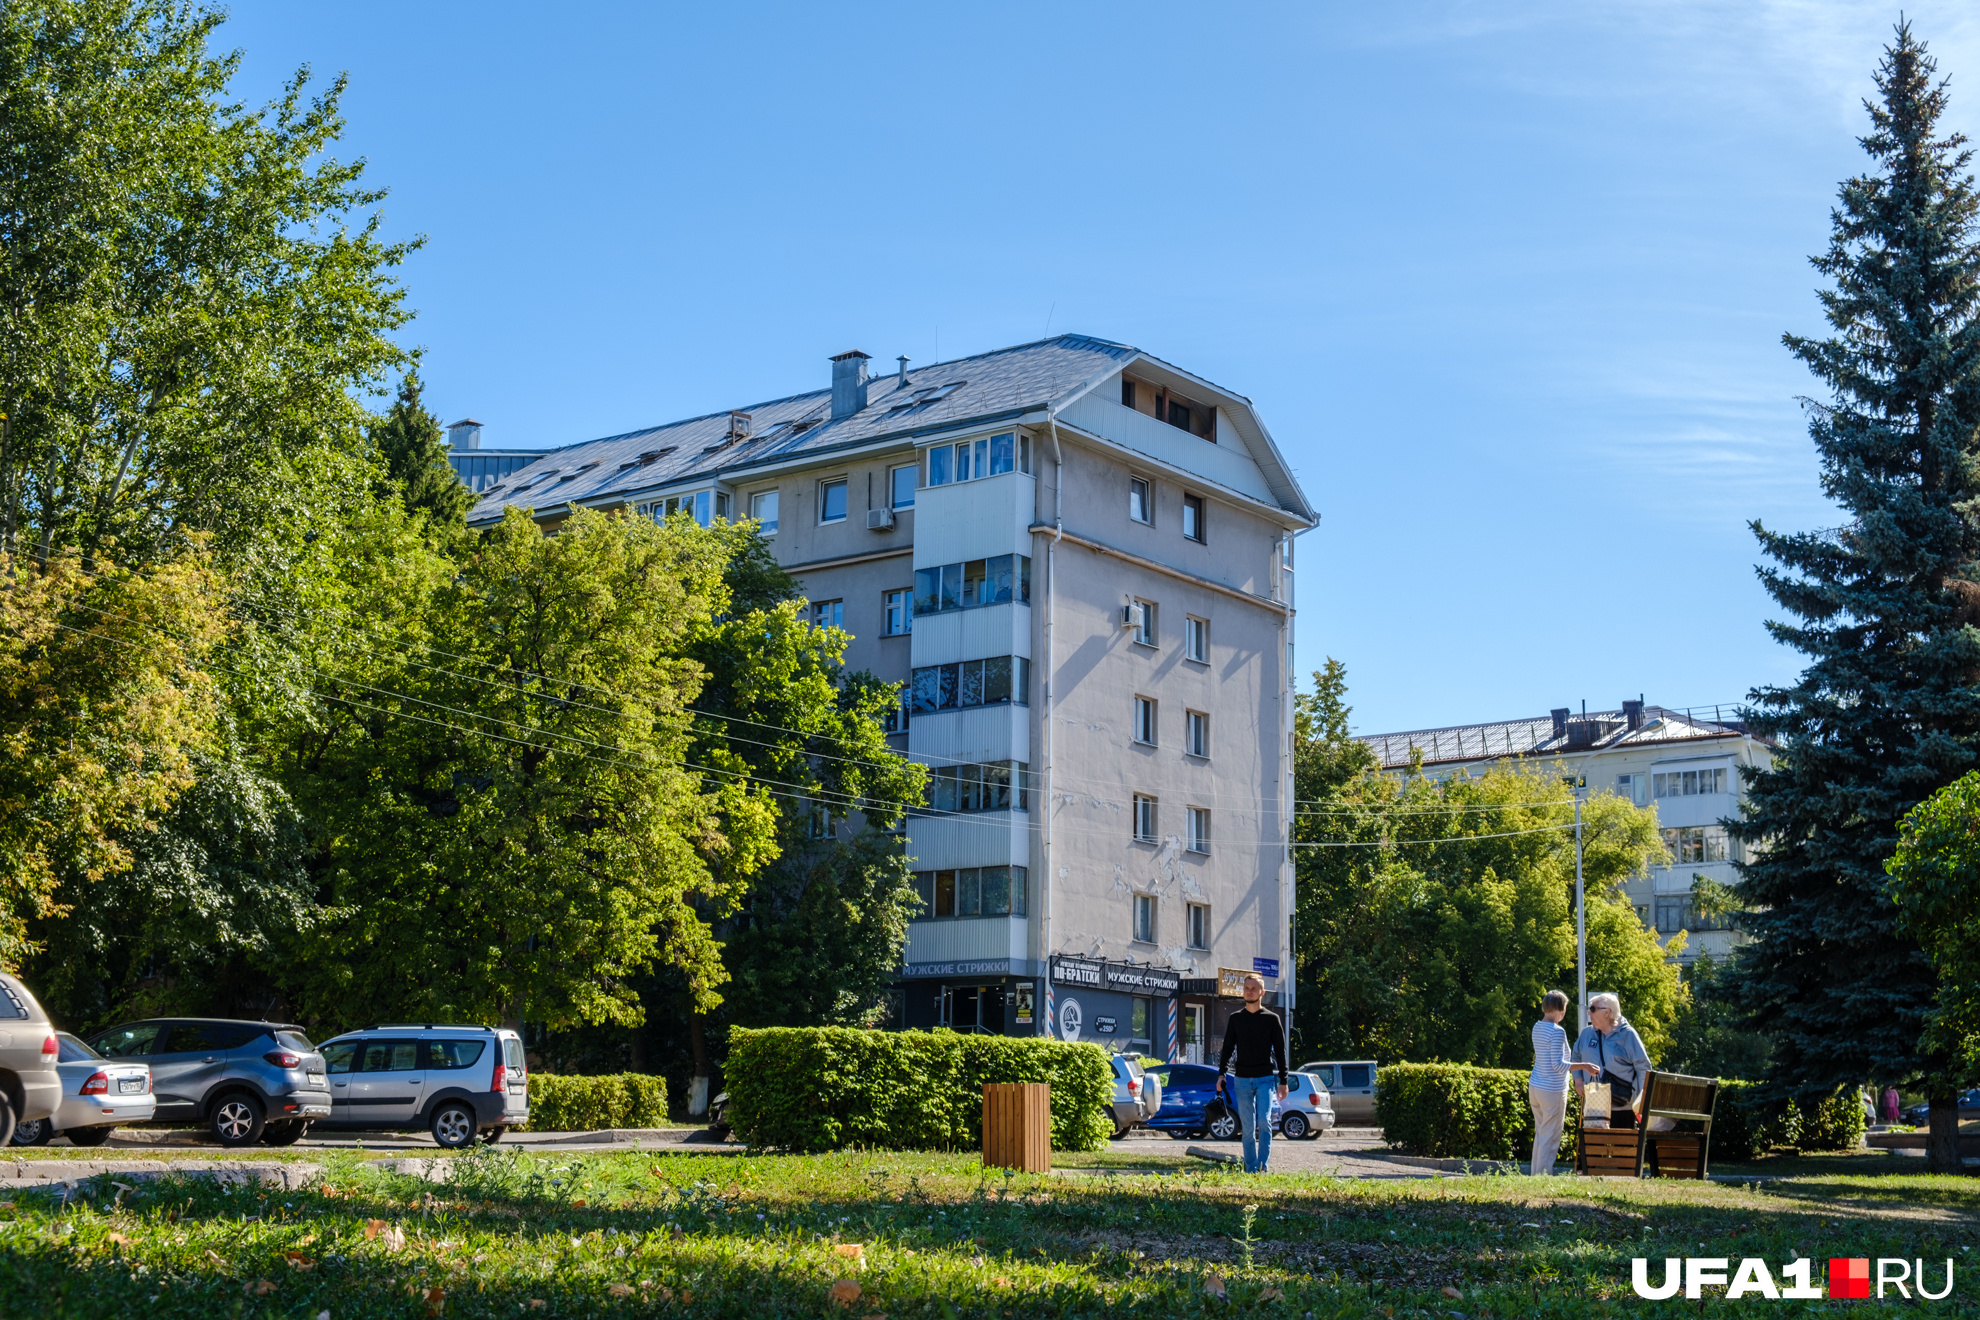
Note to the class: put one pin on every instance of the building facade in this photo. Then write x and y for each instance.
(1685, 764)
(1077, 560)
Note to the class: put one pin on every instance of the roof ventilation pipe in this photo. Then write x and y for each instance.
(900, 382)
(464, 434)
(1560, 715)
(848, 383)
(1633, 714)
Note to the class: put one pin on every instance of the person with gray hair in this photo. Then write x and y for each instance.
(1610, 1043)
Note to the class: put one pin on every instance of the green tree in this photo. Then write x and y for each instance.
(501, 767)
(413, 448)
(1886, 710)
(1935, 882)
(1709, 1038)
(1433, 915)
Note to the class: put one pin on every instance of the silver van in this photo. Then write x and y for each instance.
(456, 1082)
(1352, 1086)
(30, 1086)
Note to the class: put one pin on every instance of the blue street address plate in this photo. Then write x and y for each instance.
(1265, 966)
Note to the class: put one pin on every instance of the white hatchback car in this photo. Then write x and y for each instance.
(98, 1096)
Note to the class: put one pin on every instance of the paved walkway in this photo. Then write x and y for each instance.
(1341, 1153)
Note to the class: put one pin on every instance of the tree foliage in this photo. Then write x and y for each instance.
(1935, 882)
(413, 448)
(1886, 711)
(1434, 915)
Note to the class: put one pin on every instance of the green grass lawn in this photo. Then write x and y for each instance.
(523, 1234)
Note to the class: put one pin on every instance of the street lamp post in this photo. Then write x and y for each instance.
(1575, 784)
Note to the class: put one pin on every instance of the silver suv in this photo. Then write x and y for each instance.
(247, 1081)
(454, 1081)
(30, 1087)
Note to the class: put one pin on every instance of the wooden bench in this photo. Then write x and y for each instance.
(1678, 1153)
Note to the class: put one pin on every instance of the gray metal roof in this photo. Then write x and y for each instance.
(1603, 730)
(989, 386)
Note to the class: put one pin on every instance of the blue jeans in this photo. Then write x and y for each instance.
(1254, 1096)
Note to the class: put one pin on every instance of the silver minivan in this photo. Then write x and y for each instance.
(30, 1086)
(1352, 1086)
(456, 1082)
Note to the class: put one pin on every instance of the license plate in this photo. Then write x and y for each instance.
(130, 1085)
(316, 1080)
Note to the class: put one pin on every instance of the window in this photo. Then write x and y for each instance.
(1144, 632)
(899, 613)
(1141, 1019)
(1180, 415)
(1144, 918)
(1144, 819)
(453, 1054)
(990, 786)
(1355, 1075)
(1692, 844)
(1193, 517)
(1636, 788)
(829, 613)
(832, 501)
(985, 891)
(763, 508)
(1141, 503)
(900, 486)
(998, 580)
(896, 718)
(992, 682)
(1196, 829)
(1144, 721)
(703, 506)
(1196, 733)
(1196, 639)
(1199, 926)
(1689, 783)
(988, 456)
(819, 822)
(1127, 393)
(388, 1056)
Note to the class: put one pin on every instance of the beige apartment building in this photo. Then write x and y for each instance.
(1687, 763)
(1077, 559)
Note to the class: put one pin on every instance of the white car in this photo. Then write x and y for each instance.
(1137, 1095)
(98, 1096)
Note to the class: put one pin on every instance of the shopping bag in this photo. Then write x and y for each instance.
(1595, 1105)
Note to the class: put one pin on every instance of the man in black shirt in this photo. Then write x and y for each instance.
(1258, 1038)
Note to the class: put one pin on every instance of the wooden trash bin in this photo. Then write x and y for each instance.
(1017, 1126)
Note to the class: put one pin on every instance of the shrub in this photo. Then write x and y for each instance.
(1456, 1111)
(1745, 1127)
(823, 1088)
(587, 1104)
(1834, 1123)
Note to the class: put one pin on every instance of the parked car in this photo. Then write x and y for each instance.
(98, 1096)
(246, 1081)
(1191, 1106)
(30, 1086)
(456, 1082)
(1136, 1097)
(1307, 1110)
(1352, 1087)
(1969, 1110)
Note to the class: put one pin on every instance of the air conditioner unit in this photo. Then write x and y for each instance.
(879, 520)
(1131, 616)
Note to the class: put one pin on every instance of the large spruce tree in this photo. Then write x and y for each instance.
(1886, 711)
(413, 446)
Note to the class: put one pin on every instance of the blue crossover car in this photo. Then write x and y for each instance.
(1193, 1109)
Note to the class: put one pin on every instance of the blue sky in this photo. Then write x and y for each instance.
(1507, 281)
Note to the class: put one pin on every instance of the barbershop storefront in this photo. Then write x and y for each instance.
(1123, 1006)
(983, 997)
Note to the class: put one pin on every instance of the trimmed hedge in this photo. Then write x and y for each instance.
(1456, 1111)
(1745, 1128)
(824, 1088)
(588, 1104)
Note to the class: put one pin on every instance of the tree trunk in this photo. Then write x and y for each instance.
(1942, 1134)
(698, 1043)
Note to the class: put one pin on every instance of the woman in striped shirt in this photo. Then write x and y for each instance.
(1547, 1086)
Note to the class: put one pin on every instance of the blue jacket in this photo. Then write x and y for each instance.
(1620, 1052)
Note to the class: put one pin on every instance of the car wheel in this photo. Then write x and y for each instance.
(89, 1136)
(493, 1135)
(34, 1132)
(1180, 1134)
(7, 1123)
(453, 1125)
(285, 1134)
(1224, 1127)
(1293, 1127)
(1120, 1133)
(237, 1119)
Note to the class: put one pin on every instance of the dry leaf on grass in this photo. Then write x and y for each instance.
(1453, 1293)
(845, 1292)
(977, 1261)
(1214, 1285)
(851, 1251)
(436, 1298)
(537, 1303)
(579, 1203)
(259, 1288)
(1002, 1282)
(214, 1257)
(1271, 1295)
(298, 1261)
(119, 1240)
(620, 1290)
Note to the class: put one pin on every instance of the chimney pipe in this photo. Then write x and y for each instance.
(1633, 714)
(1560, 715)
(848, 383)
(902, 382)
(464, 434)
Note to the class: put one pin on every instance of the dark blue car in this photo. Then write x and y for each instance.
(1191, 1107)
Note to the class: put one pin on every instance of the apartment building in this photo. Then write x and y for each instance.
(1687, 762)
(1077, 559)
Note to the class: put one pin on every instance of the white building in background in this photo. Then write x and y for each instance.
(1078, 560)
(1688, 765)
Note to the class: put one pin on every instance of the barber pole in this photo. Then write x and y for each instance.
(1051, 1008)
(1175, 1032)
